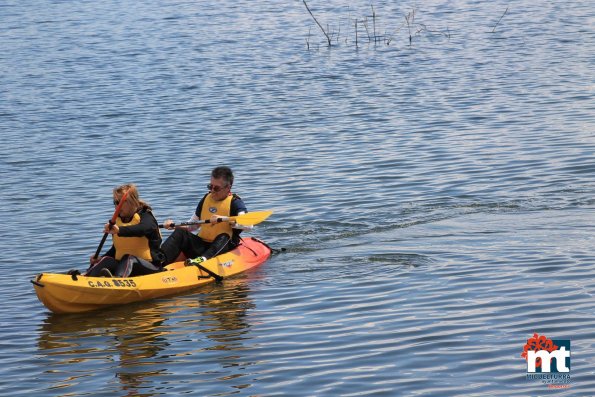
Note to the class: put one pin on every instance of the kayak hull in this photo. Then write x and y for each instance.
(64, 293)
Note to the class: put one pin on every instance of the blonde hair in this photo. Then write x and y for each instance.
(132, 197)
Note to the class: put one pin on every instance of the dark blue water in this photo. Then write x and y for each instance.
(435, 199)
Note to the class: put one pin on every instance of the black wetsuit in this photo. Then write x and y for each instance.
(130, 265)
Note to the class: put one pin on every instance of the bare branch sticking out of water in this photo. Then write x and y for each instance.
(505, 11)
(328, 38)
(371, 29)
(365, 21)
(410, 18)
(374, 21)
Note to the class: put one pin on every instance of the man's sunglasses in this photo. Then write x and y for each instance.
(214, 188)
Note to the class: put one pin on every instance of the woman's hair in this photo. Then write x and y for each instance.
(132, 197)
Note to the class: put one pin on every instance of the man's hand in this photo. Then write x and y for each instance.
(216, 219)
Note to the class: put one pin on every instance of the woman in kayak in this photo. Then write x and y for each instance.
(136, 239)
(213, 238)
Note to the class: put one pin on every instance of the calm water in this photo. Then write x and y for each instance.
(436, 200)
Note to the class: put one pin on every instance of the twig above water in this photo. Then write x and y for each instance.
(371, 29)
(374, 21)
(505, 11)
(410, 18)
(328, 38)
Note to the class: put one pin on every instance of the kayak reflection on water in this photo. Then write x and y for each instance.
(141, 341)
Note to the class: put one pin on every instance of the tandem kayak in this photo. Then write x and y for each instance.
(66, 293)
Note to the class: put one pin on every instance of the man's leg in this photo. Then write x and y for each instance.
(182, 241)
(221, 244)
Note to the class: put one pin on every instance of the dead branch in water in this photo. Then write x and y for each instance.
(365, 21)
(409, 18)
(374, 21)
(505, 11)
(328, 38)
(372, 29)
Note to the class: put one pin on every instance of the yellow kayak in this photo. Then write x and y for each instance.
(65, 293)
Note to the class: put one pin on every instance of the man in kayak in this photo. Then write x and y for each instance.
(215, 237)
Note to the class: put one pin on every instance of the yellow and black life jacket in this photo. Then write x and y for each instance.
(137, 246)
(210, 207)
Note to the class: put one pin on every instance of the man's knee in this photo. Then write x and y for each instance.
(222, 238)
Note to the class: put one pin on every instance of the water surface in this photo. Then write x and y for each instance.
(435, 199)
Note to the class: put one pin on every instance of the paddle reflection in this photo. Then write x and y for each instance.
(138, 343)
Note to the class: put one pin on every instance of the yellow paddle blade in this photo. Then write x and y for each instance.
(251, 218)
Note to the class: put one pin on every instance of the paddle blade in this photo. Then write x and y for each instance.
(252, 218)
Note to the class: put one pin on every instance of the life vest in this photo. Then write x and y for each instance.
(137, 246)
(210, 207)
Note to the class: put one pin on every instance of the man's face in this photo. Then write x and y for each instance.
(219, 189)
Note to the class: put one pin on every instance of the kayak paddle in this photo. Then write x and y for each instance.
(250, 218)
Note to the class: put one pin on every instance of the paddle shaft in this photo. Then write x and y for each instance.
(250, 218)
(196, 222)
(111, 222)
(101, 244)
